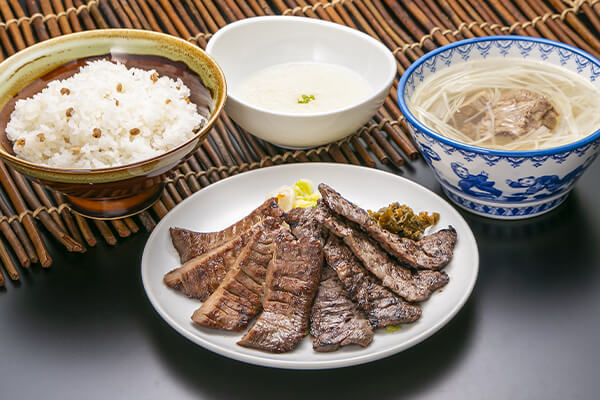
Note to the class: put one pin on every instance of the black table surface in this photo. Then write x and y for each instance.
(84, 328)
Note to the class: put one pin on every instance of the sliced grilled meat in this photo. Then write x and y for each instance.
(305, 222)
(382, 306)
(335, 320)
(409, 284)
(291, 283)
(238, 298)
(431, 252)
(201, 275)
(191, 244)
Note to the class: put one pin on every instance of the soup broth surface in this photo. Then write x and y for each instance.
(508, 104)
(304, 88)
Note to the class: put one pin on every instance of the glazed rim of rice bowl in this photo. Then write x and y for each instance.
(27, 55)
(592, 136)
(290, 20)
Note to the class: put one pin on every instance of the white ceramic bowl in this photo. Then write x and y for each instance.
(497, 183)
(245, 47)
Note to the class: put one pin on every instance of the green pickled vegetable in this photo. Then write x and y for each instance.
(401, 219)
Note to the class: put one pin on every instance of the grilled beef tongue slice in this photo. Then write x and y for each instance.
(305, 222)
(291, 283)
(238, 298)
(201, 275)
(409, 284)
(431, 252)
(335, 320)
(381, 305)
(190, 244)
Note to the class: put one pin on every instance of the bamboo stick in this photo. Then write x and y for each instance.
(51, 23)
(9, 266)
(139, 14)
(105, 231)
(563, 27)
(121, 228)
(6, 43)
(185, 17)
(73, 20)
(85, 15)
(464, 4)
(25, 24)
(149, 15)
(38, 25)
(201, 154)
(79, 228)
(60, 234)
(62, 20)
(147, 221)
(18, 229)
(12, 28)
(131, 224)
(86, 232)
(14, 242)
(130, 14)
(512, 17)
(39, 191)
(113, 21)
(337, 155)
(13, 193)
(96, 15)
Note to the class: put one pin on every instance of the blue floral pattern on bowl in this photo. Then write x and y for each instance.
(496, 183)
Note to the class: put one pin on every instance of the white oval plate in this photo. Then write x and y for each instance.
(229, 200)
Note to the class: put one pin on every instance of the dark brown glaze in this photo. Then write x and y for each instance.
(335, 320)
(439, 249)
(199, 277)
(238, 298)
(382, 306)
(191, 244)
(409, 284)
(292, 281)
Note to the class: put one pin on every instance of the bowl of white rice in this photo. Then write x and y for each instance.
(102, 116)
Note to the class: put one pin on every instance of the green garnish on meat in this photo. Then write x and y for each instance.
(401, 219)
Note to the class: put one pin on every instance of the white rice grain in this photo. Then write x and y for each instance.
(105, 115)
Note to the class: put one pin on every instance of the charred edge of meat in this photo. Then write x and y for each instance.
(438, 249)
(238, 298)
(291, 283)
(382, 306)
(336, 320)
(200, 276)
(306, 222)
(190, 244)
(410, 284)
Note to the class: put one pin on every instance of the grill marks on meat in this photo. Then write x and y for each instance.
(382, 306)
(428, 253)
(305, 222)
(335, 320)
(191, 244)
(409, 284)
(256, 264)
(239, 296)
(199, 277)
(292, 280)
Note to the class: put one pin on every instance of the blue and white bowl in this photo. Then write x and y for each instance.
(495, 183)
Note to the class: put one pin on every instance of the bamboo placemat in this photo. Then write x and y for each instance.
(409, 28)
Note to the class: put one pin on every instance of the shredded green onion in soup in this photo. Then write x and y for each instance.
(443, 94)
